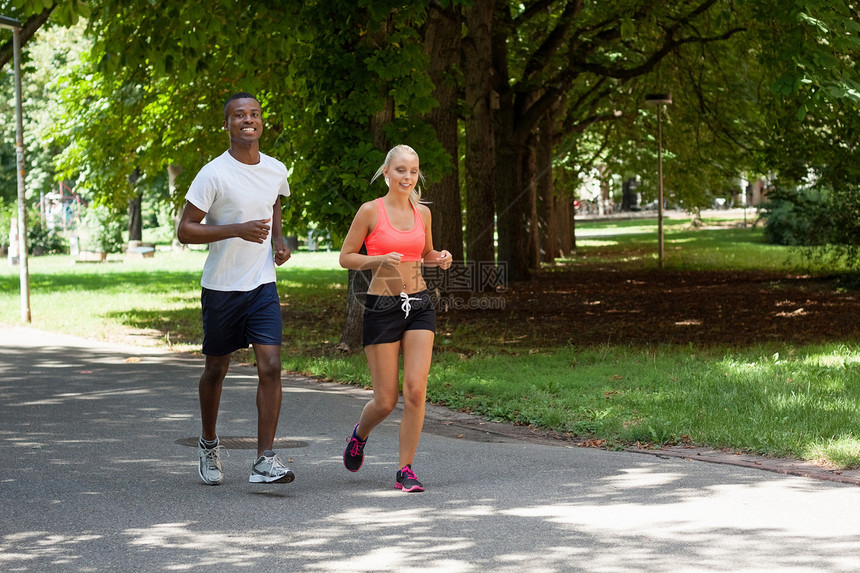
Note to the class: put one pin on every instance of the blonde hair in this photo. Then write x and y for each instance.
(415, 195)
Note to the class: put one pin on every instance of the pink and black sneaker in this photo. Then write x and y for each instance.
(407, 481)
(353, 455)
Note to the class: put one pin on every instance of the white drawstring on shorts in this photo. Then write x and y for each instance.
(407, 306)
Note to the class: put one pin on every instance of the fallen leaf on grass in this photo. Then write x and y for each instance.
(592, 444)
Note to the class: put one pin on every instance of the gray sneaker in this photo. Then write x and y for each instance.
(270, 469)
(209, 467)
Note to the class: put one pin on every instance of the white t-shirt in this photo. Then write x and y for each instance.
(230, 191)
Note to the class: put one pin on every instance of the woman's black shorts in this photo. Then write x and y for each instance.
(386, 318)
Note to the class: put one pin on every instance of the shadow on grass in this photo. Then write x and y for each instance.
(695, 239)
(156, 281)
(704, 238)
(121, 281)
(177, 326)
(312, 315)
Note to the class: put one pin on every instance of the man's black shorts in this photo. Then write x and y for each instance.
(234, 319)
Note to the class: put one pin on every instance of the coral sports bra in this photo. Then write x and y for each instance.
(384, 238)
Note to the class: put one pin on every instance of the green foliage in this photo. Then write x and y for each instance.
(814, 116)
(150, 95)
(759, 87)
(807, 50)
(346, 71)
(8, 174)
(797, 217)
(827, 221)
(44, 241)
(712, 130)
(101, 231)
(150, 92)
(787, 107)
(49, 51)
(8, 211)
(40, 240)
(63, 12)
(846, 218)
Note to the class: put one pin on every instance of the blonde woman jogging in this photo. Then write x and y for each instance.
(399, 314)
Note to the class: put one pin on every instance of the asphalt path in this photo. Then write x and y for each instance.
(95, 476)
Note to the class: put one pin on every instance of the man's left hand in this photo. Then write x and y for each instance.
(282, 252)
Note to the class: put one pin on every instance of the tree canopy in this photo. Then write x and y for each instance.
(540, 88)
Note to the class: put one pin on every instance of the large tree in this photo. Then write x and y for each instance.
(149, 93)
(360, 87)
(54, 47)
(480, 156)
(51, 49)
(814, 111)
(441, 38)
(541, 89)
(34, 14)
(340, 83)
(575, 61)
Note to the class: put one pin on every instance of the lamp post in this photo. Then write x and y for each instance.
(659, 100)
(15, 26)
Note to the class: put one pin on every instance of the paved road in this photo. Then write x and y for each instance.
(94, 477)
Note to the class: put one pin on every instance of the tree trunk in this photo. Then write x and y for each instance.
(512, 207)
(546, 194)
(511, 135)
(358, 281)
(564, 226)
(512, 194)
(135, 219)
(442, 44)
(565, 218)
(607, 207)
(480, 148)
(173, 172)
(530, 179)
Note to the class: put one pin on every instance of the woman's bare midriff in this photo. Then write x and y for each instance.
(389, 281)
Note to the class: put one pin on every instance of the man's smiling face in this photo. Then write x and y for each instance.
(244, 120)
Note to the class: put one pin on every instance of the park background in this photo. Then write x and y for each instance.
(531, 119)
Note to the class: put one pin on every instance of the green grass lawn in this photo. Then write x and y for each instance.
(733, 247)
(774, 399)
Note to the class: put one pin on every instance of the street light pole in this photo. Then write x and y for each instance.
(659, 100)
(15, 26)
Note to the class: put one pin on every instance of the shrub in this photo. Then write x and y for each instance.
(824, 224)
(101, 231)
(8, 210)
(798, 217)
(42, 241)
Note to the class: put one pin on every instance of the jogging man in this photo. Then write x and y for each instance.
(239, 194)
